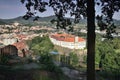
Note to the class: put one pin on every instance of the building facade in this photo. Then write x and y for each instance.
(68, 41)
(9, 41)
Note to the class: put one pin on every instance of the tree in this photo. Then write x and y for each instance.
(74, 60)
(107, 58)
(116, 44)
(40, 45)
(78, 8)
(90, 40)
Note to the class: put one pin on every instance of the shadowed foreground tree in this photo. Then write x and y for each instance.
(90, 40)
(78, 9)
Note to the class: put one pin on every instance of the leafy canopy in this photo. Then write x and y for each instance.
(108, 55)
(76, 9)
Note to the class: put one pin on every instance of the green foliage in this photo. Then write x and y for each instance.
(110, 62)
(47, 63)
(106, 56)
(74, 59)
(55, 50)
(85, 59)
(80, 34)
(37, 40)
(116, 43)
(46, 44)
(40, 45)
(45, 58)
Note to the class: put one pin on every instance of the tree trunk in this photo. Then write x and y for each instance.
(90, 40)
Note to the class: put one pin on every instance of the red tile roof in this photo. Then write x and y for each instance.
(66, 37)
(21, 36)
(20, 45)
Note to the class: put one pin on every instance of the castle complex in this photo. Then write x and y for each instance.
(68, 41)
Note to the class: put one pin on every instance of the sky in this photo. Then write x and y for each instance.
(14, 8)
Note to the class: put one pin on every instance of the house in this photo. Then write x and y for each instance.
(22, 47)
(9, 50)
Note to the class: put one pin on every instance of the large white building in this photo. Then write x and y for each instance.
(68, 41)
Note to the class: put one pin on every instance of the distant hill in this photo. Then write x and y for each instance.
(2, 22)
(42, 21)
(117, 22)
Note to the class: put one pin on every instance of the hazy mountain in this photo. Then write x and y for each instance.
(21, 20)
(2, 22)
(42, 21)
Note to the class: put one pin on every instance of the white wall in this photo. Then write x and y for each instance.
(71, 45)
(9, 41)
